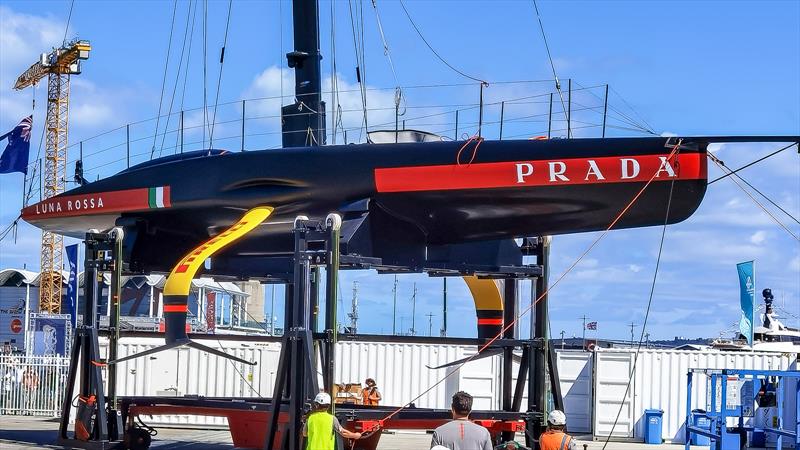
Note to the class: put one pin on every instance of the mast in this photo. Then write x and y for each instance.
(304, 120)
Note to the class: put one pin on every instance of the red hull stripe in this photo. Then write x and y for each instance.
(490, 321)
(554, 172)
(175, 308)
(98, 203)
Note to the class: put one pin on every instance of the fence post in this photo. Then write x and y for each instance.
(569, 108)
(550, 117)
(456, 136)
(404, 124)
(605, 111)
(181, 131)
(502, 114)
(127, 144)
(243, 111)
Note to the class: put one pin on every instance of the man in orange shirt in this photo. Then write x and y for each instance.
(555, 438)
(370, 394)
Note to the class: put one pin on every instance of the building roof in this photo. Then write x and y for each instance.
(19, 277)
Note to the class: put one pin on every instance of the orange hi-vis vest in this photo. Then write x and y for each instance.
(554, 440)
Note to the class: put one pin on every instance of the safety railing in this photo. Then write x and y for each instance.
(32, 385)
(505, 110)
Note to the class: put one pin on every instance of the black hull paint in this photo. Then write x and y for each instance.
(208, 193)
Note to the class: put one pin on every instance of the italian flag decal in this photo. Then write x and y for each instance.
(156, 197)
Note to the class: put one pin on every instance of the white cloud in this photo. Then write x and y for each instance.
(758, 237)
(23, 37)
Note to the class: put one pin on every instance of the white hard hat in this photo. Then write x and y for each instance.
(556, 417)
(323, 398)
(439, 447)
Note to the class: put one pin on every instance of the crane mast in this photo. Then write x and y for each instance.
(58, 66)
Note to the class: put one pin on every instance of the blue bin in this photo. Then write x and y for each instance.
(758, 438)
(652, 427)
(700, 421)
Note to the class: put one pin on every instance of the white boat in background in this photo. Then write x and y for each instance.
(771, 336)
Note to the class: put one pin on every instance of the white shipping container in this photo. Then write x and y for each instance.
(659, 382)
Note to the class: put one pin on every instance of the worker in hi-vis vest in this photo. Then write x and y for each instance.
(321, 426)
(555, 438)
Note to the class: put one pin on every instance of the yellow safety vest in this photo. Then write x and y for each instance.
(321, 435)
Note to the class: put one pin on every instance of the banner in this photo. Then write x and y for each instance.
(50, 334)
(211, 310)
(72, 283)
(747, 295)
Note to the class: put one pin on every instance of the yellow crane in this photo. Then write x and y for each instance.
(57, 65)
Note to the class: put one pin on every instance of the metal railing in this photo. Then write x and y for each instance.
(32, 385)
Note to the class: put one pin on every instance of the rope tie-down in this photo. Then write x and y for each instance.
(671, 159)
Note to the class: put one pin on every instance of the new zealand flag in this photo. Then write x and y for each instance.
(15, 156)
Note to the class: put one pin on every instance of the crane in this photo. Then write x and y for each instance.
(57, 65)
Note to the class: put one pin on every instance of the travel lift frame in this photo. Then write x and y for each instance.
(257, 422)
(317, 245)
(98, 422)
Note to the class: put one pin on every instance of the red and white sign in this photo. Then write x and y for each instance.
(99, 203)
(553, 172)
(16, 326)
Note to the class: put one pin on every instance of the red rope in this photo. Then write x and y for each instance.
(543, 294)
(478, 140)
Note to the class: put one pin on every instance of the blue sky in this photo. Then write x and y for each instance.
(691, 68)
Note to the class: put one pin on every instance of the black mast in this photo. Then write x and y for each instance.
(304, 120)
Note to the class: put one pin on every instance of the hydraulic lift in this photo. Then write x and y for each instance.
(277, 423)
(98, 421)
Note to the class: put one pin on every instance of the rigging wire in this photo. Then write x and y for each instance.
(177, 76)
(752, 163)
(336, 116)
(186, 68)
(430, 47)
(775, 219)
(629, 120)
(361, 75)
(164, 78)
(527, 309)
(552, 66)
(767, 198)
(205, 70)
(9, 228)
(69, 18)
(398, 93)
(647, 310)
(632, 109)
(219, 77)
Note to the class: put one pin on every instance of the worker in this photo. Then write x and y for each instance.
(321, 426)
(460, 433)
(554, 438)
(370, 394)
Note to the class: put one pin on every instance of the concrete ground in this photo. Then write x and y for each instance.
(25, 432)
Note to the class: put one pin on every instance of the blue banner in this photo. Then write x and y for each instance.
(72, 284)
(50, 336)
(747, 297)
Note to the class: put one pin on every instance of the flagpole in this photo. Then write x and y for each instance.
(584, 331)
